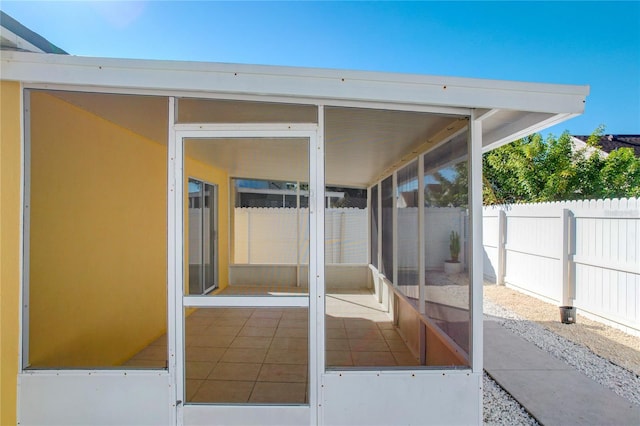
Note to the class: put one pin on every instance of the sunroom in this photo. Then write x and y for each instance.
(234, 244)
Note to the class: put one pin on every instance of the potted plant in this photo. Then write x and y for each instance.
(453, 266)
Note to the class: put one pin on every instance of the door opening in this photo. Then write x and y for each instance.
(244, 342)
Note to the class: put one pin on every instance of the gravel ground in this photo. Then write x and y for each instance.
(620, 348)
(500, 408)
(608, 356)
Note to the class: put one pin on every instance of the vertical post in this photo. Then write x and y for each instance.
(421, 262)
(567, 294)
(298, 234)
(394, 221)
(369, 236)
(175, 261)
(231, 223)
(379, 283)
(475, 212)
(317, 286)
(23, 345)
(502, 253)
(203, 241)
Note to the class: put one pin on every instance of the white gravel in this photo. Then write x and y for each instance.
(501, 409)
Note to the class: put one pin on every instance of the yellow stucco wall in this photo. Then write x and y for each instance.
(98, 238)
(9, 247)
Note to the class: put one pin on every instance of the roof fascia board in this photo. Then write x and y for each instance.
(19, 42)
(526, 125)
(294, 82)
(24, 38)
(251, 97)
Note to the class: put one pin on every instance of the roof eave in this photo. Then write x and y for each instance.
(294, 82)
(25, 39)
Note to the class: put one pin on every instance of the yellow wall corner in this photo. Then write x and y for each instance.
(10, 165)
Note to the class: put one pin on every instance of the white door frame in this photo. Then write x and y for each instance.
(246, 414)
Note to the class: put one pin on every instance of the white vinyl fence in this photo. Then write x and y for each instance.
(577, 253)
(438, 224)
(269, 235)
(580, 253)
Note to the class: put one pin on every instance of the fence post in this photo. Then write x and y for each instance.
(567, 296)
(502, 255)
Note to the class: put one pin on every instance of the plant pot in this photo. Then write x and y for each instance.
(452, 267)
(567, 314)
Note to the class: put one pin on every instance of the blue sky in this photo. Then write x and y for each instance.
(594, 43)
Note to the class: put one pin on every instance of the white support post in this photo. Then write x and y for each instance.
(231, 211)
(502, 254)
(249, 236)
(317, 287)
(379, 283)
(567, 294)
(421, 238)
(422, 297)
(175, 259)
(394, 219)
(25, 304)
(298, 237)
(475, 212)
(369, 236)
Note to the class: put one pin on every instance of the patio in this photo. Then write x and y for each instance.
(259, 355)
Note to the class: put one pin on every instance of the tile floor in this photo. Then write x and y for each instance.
(259, 355)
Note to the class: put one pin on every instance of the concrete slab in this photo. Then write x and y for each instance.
(552, 391)
(505, 350)
(490, 323)
(566, 398)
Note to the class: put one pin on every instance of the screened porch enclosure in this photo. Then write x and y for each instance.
(269, 219)
(310, 243)
(244, 347)
(240, 244)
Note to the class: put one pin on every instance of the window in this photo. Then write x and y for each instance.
(447, 253)
(408, 233)
(203, 244)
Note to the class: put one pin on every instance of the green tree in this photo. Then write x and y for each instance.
(620, 175)
(534, 170)
(450, 189)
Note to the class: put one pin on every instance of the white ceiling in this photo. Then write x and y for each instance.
(144, 115)
(360, 143)
(273, 159)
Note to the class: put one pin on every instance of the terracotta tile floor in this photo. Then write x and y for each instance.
(259, 355)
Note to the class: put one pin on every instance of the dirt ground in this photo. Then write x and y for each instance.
(610, 343)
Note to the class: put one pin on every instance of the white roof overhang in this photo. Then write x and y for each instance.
(508, 110)
(12, 40)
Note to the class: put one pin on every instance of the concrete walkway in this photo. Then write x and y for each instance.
(550, 390)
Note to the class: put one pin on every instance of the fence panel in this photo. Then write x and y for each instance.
(346, 235)
(439, 222)
(607, 261)
(533, 239)
(490, 242)
(270, 236)
(601, 251)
